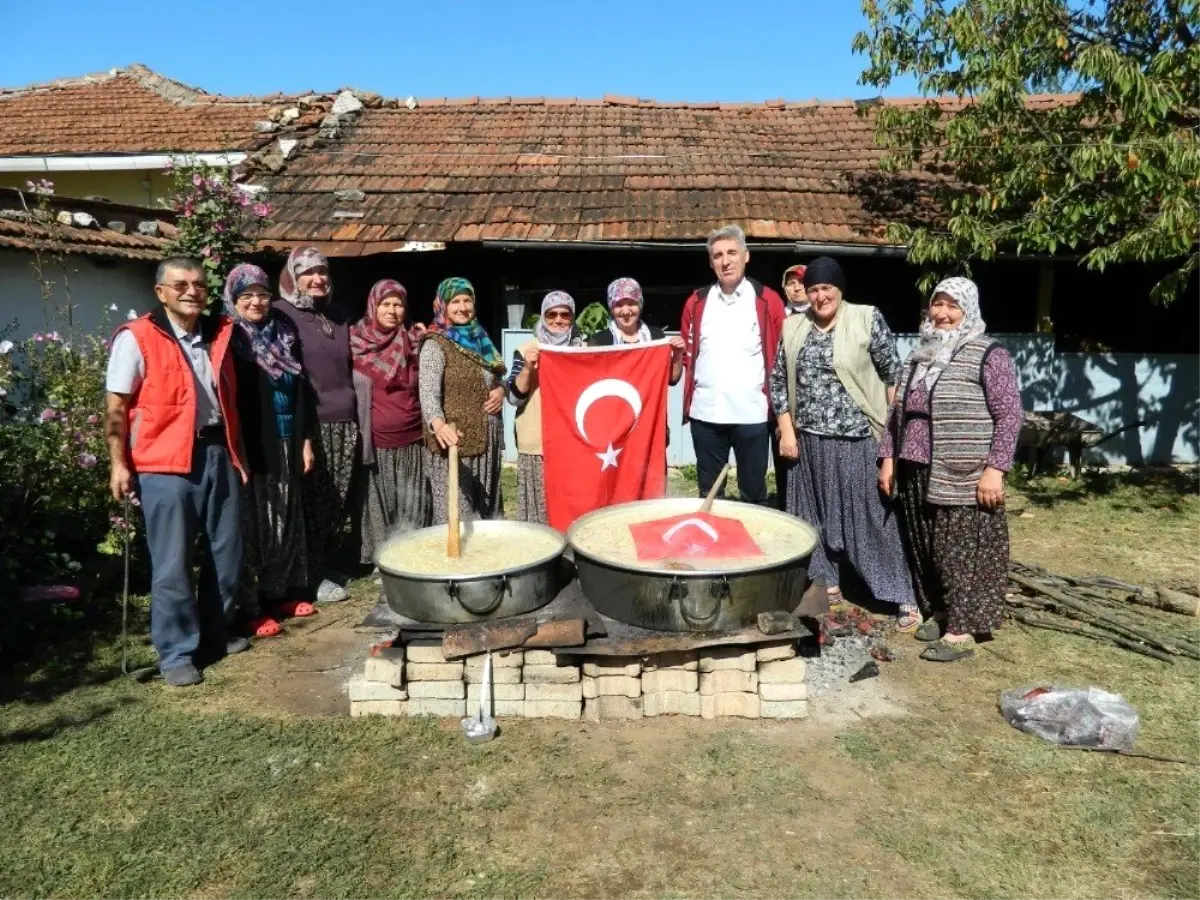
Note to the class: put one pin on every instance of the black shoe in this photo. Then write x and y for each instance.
(237, 645)
(182, 676)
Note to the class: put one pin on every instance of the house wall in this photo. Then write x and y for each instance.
(93, 285)
(137, 188)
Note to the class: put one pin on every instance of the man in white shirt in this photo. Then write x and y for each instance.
(731, 333)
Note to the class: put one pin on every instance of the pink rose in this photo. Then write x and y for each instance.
(262, 210)
(47, 414)
(87, 460)
(93, 419)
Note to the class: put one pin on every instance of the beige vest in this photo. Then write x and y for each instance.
(528, 421)
(851, 361)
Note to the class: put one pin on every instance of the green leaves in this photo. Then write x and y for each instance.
(1112, 171)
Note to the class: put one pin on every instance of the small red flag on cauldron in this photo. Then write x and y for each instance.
(693, 536)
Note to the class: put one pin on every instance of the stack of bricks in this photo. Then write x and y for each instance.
(764, 681)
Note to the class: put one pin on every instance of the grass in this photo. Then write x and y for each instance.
(113, 788)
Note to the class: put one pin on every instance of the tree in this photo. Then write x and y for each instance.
(1110, 168)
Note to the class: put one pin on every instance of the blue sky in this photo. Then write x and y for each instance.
(662, 49)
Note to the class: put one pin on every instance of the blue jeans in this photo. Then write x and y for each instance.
(176, 509)
(751, 445)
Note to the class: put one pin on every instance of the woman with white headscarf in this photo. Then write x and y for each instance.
(555, 328)
(951, 436)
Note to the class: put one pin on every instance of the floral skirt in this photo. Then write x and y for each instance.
(398, 498)
(274, 560)
(328, 491)
(531, 489)
(478, 480)
(959, 555)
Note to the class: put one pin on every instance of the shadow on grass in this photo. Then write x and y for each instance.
(59, 724)
(1164, 489)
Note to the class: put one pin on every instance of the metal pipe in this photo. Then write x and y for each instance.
(788, 247)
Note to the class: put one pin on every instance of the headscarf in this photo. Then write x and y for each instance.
(794, 272)
(378, 354)
(299, 261)
(470, 337)
(626, 289)
(825, 270)
(554, 300)
(938, 346)
(269, 344)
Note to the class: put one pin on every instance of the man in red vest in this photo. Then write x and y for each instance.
(172, 432)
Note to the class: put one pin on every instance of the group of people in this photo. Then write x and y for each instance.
(261, 428)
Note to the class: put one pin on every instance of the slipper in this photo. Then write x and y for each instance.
(265, 627)
(294, 609)
(928, 631)
(908, 621)
(943, 651)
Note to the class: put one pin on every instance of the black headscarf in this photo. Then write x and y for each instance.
(825, 270)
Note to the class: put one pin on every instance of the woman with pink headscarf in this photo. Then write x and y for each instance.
(384, 350)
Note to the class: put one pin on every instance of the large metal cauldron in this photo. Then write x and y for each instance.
(669, 598)
(476, 596)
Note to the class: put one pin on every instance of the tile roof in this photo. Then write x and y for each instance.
(617, 169)
(27, 228)
(129, 110)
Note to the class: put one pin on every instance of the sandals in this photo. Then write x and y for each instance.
(294, 609)
(928, 631)
(946, 652)
(908, 621)
(264, 627)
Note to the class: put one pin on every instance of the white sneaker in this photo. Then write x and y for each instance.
(331, 592)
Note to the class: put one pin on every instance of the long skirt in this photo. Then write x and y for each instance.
(397, 496)
(478, 480)
(274, 559)
(834, 486)
(328, 492)
(959, 555)
(531, 488)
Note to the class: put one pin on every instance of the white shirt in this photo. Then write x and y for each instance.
(127, 371)
(730, 372)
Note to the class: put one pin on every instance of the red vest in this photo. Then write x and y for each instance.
(162, 412)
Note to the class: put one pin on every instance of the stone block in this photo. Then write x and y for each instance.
(505, 692)
(718, 659)
(424, 652)
(728, 680)
(552, 709)
(451, 671)
(713, 706)
(589, 687)
(782, 692)
(540, 658)
(378, 708)
(772, 652)
(553, 691)
(784, 671)
(514, 708)
(360, 689)
(384, 671)
(609, 708)
(783, 709)
(670, 703)
(504, 659)
(431, 707)
(616, 685)
(612, 665)
(499, 676)
(549, 674)
(670, 680)
(437, 690)
(688, 660)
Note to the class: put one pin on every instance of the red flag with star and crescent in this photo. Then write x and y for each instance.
(604, 426)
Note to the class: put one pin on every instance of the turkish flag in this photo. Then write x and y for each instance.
(693, 536)
(604, 426)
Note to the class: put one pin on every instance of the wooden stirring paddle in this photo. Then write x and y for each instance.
(707, 505)
(453, 547)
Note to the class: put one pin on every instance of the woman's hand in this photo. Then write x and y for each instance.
(990, 491)
(887, 476)
(446, 433)
(677, 345)
(418, 328)
(789, 447)
(494, 401)
(531, 357)
(309, 458)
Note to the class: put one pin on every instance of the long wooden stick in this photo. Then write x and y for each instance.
(1082, 631)
(707, 505)
(453, 547)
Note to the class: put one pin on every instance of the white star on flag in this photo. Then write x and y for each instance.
(608, 459)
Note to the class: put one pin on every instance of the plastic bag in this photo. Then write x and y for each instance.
(1075, 717)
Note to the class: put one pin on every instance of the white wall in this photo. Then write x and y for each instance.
(95, 284)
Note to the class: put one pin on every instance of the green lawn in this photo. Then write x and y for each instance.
(239, 788)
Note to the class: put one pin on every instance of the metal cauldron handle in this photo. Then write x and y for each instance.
(501, 584)
(717, 591)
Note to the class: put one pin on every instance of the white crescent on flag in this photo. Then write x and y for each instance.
(606, 387)
(690, 523)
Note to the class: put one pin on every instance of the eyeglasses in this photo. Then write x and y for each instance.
(180, 287)
(255, 297)
(558, 314)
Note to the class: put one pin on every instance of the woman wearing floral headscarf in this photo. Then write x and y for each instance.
(307, 303)
(625, 325)
(278, 417)
(384, 351)
(461, 397)
(954, 427)
(555, 328)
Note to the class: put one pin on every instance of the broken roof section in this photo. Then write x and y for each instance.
(91, 227)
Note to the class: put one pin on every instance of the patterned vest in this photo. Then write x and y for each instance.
(464, 391)
(961, 425)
